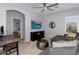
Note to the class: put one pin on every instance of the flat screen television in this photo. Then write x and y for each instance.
(1, 30)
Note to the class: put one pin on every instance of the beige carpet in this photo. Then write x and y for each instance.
(28, 48)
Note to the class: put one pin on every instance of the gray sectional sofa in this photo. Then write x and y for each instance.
(67, 50)
(60, 51)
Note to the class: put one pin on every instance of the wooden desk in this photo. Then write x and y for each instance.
(6, 40)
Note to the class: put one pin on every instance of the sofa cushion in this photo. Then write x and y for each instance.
(62, 51)
(64, 43)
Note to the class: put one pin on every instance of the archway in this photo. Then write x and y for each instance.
(12, 15)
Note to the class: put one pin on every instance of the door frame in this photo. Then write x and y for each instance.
(20, 25)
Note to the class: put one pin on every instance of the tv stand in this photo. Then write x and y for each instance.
(37, 35)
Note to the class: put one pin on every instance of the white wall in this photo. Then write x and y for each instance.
(28, 17)
(3, 18)
(59, 19)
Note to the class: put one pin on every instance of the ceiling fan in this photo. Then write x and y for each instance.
(45, 7)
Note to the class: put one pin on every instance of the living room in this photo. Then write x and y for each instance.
(51, 21)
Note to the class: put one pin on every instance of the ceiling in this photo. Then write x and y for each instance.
(61, 7)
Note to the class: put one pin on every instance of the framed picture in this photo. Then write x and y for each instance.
(35, 24)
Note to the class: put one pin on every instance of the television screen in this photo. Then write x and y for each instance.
(35, 25)
(1, 30)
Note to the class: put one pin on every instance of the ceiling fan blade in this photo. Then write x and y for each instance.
(56, 6)
(43, 10)
(53, 5)
(44, 4)
(50, 9)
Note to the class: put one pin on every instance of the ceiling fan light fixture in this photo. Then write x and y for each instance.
(45, 8)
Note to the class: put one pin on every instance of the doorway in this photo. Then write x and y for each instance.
(17, 27)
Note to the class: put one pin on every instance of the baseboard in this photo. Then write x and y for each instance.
(26, 40)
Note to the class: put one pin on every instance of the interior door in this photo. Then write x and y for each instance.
(16, 27)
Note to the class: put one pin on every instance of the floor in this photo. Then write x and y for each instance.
(27, 48)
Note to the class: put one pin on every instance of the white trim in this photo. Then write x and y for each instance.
(20, 26)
